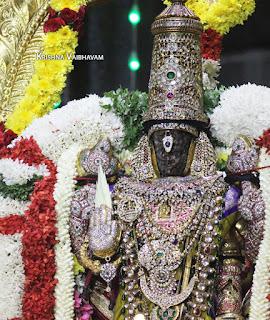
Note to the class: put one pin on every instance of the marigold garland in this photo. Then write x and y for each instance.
(38, 229)
(49, 79)
(221, 15)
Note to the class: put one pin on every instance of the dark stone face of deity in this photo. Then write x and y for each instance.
(171, 150)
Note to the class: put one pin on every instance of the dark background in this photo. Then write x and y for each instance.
(245, 57)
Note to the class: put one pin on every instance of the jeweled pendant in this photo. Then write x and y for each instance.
(167, 143)
(107, 273)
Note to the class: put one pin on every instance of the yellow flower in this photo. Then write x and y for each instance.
(32, 90)
(50, 75)
(71, 4)
(59, 83)
(223, 157)
(44, 84)
(221, 15)
(77, 267)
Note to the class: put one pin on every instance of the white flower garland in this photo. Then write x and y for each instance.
(259, 304)
(17, 172)
(82, 122)
(12, 276)
(242, 110)
(64, 189)
(9, 206)
(211, 70)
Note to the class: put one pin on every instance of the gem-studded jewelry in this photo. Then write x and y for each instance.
(159, 251)
(167, 142)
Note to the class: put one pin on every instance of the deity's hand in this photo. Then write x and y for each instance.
(104, 233)
(244, 155)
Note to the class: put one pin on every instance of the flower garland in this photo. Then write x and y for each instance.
(211, 44)
(241, 110)
(264, 141)
(211, 70)
(19, 192)
(38, 236)
(12, 276)
(48, 81)
(64, 188)
(221, 15)
(57, 131)
(5, 137)
(12, 207)
(260, 298)
(17, 172)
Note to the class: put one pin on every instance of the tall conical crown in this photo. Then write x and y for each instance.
(175, 85)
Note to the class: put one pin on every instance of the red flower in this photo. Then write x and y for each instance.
(211, 44)
(53, 25)
(53, 14)
(9, 136)
(2, 126)
(81, 13)
(69, 15)
(78, 26)
(264, 141)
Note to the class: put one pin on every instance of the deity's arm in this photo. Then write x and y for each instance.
(243, 159)
(246, 230)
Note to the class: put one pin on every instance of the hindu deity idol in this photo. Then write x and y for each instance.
(170, 241)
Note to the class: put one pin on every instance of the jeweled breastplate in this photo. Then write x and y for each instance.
(163, 222)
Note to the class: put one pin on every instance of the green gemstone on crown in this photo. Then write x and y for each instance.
(170, 75)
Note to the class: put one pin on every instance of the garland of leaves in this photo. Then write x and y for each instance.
(129, 106)
(18, 191)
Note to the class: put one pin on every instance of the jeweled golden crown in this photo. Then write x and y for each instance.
(175, 85)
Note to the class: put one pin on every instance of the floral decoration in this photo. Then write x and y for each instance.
(211, 70)
(241, 110)
(6, 137)
(211, 44)
(221, 15)
(59, 5)
(17, 172)
(12, 207)
(129, 106)
(264, 140)
(19, 192)
(63, 193)
(57, 131)
(12, 276)
(57, 20)
(43, 92)
(37, 227)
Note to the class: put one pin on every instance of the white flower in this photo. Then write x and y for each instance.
(63, 193)
(17, 172)
(259, 304)
(9, 207)
(242, 110)
(222, 151)
(12, 276)
(211, 70)
(125, 156)
(81, 121)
